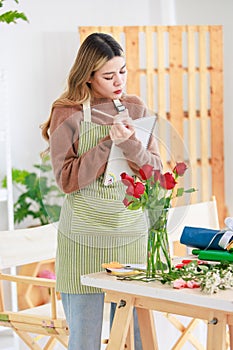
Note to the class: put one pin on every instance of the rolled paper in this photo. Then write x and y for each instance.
(227, 236)
(202, 238)
(229, 223)
(225, 239)
(213, 255)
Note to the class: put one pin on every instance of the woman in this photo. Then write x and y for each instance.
(94, 226)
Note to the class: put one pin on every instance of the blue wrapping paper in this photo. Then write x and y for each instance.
(201, 238)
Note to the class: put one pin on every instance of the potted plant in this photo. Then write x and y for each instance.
(38, 196)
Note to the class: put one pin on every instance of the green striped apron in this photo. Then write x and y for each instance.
(95, 226)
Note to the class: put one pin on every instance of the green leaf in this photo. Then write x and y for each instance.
(18, 177)
(190, 190)
(134, 206)
(180, 192)
(53, 211)
(43, 167)
(12, 17)
(21, 210)
(31, 182)
(4, 182)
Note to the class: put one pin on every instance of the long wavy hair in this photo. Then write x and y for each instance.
(95, 51)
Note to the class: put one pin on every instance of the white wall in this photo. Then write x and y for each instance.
(38, 55)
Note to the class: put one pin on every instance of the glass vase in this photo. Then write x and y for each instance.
(158, 253)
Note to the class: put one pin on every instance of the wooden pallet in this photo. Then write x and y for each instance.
(178, 71)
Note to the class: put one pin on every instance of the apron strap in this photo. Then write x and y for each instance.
(87, 111)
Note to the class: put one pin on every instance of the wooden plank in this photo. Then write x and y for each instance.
(130, 343)
(37, 319)
(216, 336)
(164, 306)
(192, 120)
(2, 303)
(116, 33)
(149, 67)
(184, 329)
(216, 114)
(163, 124)
(147, 329)
(203, 70)
(186, 333)
(161, 72)
(176, 91)
(29, 280)
(121, 322)
(85, 31)
(53, 303)
(105, 29)
(28, 340)
(132, 57)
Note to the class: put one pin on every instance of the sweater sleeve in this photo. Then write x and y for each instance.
(73, 172)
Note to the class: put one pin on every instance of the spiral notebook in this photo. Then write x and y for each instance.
(117, 163)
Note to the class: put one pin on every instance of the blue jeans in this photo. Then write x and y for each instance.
(84, 315)
(137, 337)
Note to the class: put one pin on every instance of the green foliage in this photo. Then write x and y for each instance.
(12, 16)
(39, 198)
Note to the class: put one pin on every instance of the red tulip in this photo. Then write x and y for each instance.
(180, 169)
(130, 189)
(139, 189)
(167, 181)
(134, 189)
(157, 175)
(126, 179)
(146, 171)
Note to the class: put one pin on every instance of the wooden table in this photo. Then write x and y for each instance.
(216, 309)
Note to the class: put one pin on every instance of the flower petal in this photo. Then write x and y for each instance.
(192, 284)
(139, 189)
(180, 169)
(126, 179)
(167, 181)
(146, 171)
(179, 283)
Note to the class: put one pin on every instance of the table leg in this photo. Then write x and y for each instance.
(121, 323)
(231, 336)
(147, 329)
(129, 343)
(216, 336)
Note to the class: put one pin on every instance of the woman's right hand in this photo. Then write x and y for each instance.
(122, 128)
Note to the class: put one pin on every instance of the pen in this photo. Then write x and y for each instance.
(100, 112)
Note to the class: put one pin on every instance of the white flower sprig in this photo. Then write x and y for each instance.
(210, 277)
(217, 279)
